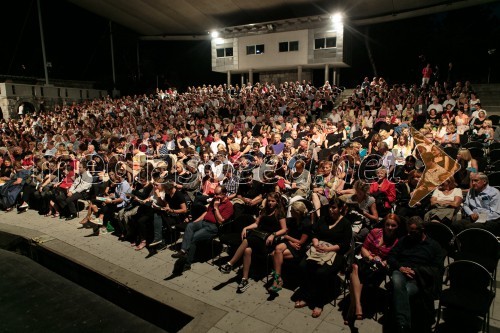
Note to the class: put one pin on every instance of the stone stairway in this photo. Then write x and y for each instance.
(489, 94)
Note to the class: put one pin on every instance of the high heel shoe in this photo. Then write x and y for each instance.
(277, 283)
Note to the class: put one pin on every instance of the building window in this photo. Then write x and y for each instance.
(325, 43)
(255, 49)
(289, 46)
(283, 47)
(224, 52)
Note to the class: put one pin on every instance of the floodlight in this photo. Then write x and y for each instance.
(214, 34)
(336, 18)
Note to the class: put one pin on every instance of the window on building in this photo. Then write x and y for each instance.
(294, 46)
(255, 49)
(331, 42)
(224, 52)
(283, 47)
(322, 43)
(251, 49)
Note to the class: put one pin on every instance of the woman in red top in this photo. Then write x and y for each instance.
(384, 192)
(372, 267)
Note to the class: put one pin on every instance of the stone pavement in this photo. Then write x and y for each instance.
(214, 310)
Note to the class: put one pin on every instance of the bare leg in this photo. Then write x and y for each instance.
(280, 253)
(247, 260)
(316, 202)
(356, 288)
(239, 252)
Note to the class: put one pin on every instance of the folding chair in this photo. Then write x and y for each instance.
(442, 234)
(480, 246)
(470, 290)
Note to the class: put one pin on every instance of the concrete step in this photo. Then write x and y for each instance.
(483, 88)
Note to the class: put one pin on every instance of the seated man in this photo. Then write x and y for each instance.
(219, 211)
(415, 262)
(481, 206)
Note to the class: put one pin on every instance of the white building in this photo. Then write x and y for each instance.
(281, 51)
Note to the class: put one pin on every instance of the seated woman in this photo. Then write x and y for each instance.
(468, 165)
(383, 191)
(451, 138)
(372, 267)
(294, 245)
(446, 201)
(208, 185)
(486, 133)
(322, 187)
(363, 213)
(259, 236)
(331, 238)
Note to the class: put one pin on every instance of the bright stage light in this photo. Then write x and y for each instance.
(336, 18)
(214, 34)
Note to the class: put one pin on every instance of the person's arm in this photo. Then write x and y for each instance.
(473, 164)
(202, 216)
(255, 201)
(466, 206)
(281, 232)
(373, 214)
(391, 193)
(250, 227)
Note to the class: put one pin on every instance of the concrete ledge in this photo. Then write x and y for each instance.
(204, 316)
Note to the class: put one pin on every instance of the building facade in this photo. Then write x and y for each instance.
(283, 51)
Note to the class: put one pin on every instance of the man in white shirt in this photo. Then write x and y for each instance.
(217, 141)
(449, 100)
(475, 114)
(435, 105)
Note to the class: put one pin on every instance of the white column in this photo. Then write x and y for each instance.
(327, 69)
(228, 79)
(242, 80)
(250, 76)
(299, 73)
(334, 79)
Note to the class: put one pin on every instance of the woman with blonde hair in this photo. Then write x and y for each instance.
(451, 138)
(486, 132)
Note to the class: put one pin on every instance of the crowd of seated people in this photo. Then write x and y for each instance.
(149, 166)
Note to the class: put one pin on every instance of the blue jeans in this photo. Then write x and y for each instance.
(403, 290)
(157, 227)
(195, 232)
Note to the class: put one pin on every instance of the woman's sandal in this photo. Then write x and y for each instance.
(277, 283)
(359, 316)
(55, 215)
(317, 312)
(300, 304)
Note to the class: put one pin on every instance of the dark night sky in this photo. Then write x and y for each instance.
(77, 45)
